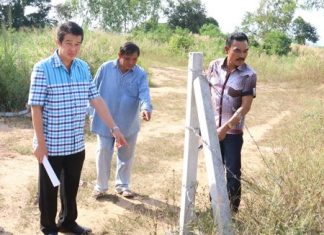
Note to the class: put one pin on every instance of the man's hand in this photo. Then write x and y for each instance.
(221, 131)
(104, 113)
(40, 152)
(121, 141)
(146, 115)
(90, 120)
(37, 119)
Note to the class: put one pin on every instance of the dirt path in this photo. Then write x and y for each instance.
(152, 178)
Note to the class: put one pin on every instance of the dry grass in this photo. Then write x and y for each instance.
(283, 197)
(286, 197)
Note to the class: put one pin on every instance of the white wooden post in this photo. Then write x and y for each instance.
(198, 98)
(213, 157)
(191, 142)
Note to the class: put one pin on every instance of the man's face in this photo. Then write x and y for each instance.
(127, 62)
(69, 47)
(236, 53)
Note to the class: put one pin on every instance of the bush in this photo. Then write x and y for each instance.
(14, 75)
(159, 32)
(181, 41)
(210, 30)
(276, 42)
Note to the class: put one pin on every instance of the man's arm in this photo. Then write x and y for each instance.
(36, 100)
(145, 99)
(37, 119)
(236, 118)
(104, 113)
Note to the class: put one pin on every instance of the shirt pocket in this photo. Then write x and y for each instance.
(132, 90)
(81, 94)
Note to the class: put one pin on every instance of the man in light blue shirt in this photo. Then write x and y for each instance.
(124, 87)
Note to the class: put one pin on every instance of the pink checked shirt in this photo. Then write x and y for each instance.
(227, 90)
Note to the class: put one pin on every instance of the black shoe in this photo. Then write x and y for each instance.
(76, 229)
(47, 231)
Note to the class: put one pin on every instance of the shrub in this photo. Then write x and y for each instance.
(181, 41)
(14, 75)
(159, 32)
(210, 30)
(276, 42)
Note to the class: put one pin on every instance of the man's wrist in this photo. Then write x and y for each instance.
(230, 125)
(239, 114)
(113, 129)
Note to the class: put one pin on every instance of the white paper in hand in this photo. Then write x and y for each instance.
(55, 181)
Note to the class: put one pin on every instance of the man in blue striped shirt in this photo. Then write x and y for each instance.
(60, 89)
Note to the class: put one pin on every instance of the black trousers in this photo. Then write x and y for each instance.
(231, 148)
(68, 170)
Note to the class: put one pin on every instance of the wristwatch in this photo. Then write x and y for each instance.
(113, 129)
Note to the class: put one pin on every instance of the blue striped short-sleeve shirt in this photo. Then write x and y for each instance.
(64, 97)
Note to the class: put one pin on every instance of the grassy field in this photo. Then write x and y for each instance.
(282, 186)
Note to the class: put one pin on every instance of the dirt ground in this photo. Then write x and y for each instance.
(19, 169)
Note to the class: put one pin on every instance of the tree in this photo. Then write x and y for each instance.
(304, 31)
(64, 11)
(270, 15)
(187, 14)
(276, 42)
(211, 20)
(122, 15)
(12, 13)
(311, 4)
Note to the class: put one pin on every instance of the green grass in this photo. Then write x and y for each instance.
(21, 50)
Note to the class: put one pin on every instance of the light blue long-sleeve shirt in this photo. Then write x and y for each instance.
(125, 94)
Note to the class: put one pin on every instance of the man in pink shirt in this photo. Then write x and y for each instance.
(233, 85)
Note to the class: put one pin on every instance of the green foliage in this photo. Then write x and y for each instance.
(14, 75)
(311, 4)
(12, 14)
(124, 15)
(276, 42)
(158, 32)
(304, 31)
(211, 47)
(148, 26)
(270, 15)
(181, 41)
(187, 14)
(210, 30)
(20, 50)
(211, 20)
(65, 11)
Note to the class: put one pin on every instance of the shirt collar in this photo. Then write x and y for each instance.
(241, 68)
(115, 63)
(57, 62)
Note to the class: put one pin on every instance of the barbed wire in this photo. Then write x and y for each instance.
(197, 133)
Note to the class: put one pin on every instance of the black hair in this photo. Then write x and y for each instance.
(237, 36)
(129, 48)
(69, 27)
